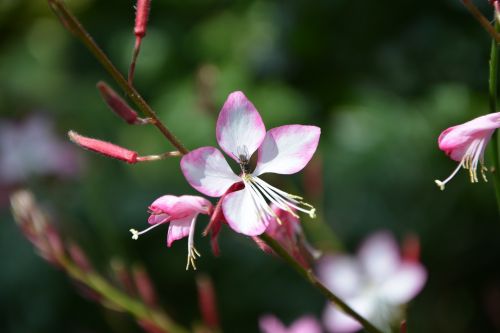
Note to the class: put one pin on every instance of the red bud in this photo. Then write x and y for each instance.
(116, 103)
(103, 148)
(141, 17)
(207, 301)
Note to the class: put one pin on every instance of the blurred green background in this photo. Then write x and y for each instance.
(382, 79)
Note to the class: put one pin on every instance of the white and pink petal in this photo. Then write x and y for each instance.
(379, 256)
(341, 274)
(179, 229)
(305, 324)
(271, 324)
(207, 170)
(242, 215)
(240, 129)
(404, 284)
(287, 149)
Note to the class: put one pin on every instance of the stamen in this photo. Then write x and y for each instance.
(441, 184)
(262, 207)
(136, 234)
(470, 160)
(281, 198)
(193, 253)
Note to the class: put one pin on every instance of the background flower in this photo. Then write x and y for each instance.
(376, 284)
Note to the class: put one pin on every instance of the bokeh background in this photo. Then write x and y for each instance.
(382, 78)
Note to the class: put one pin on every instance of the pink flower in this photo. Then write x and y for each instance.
(305, 324)
(375, 284)
(181, 212)
(466, 143)
(240, 133)
(33, 148)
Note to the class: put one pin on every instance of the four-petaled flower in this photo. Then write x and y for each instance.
(181, 212)
(466, 143)
(240, 132)
(305, 324)
(375, 284)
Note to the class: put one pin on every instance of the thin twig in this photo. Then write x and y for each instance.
(481, 19)
(74, 26)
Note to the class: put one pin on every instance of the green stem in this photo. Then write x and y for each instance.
(313, 280)
(493, 87)
(122, 301)
(73, 25)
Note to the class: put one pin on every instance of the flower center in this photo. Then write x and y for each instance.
(243, 159)
(259, 189)
(473, 157)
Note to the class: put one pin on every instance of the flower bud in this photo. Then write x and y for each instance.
(116, 103)
(141, 17)
(207, 301)
(104, 148)
(144, 286)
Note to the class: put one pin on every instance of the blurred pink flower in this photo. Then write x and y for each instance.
(305, 324)
(181, 212)
(240, 132)
(466, 144)
(32, 148)
(376, 284)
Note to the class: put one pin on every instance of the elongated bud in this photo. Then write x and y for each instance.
(116, 103)
(79, 257)
(104, 148)
(411, 248)
(144, 286)
(123, 276)
(141, 22)
(141, 17)
(403, 326)
(207, 301)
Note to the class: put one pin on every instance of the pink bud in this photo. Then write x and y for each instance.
(403, 326)
(207, 301)
(104, 148)
(411, 248)
(79, 258)
(141, 17)
(144, 286)
(141, 21)
(116, 103)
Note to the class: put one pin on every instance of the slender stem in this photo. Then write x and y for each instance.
(314, 281)
(73, 25)
(482, 20)
(493, 87)
(135, 307)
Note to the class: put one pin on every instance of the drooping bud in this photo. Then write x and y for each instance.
(403, 326)
(123, 276)
(207, 301)
(141, 21)
(117, 104)
(144, 286)
(411, 248)
(104, 148)
(79, 257)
